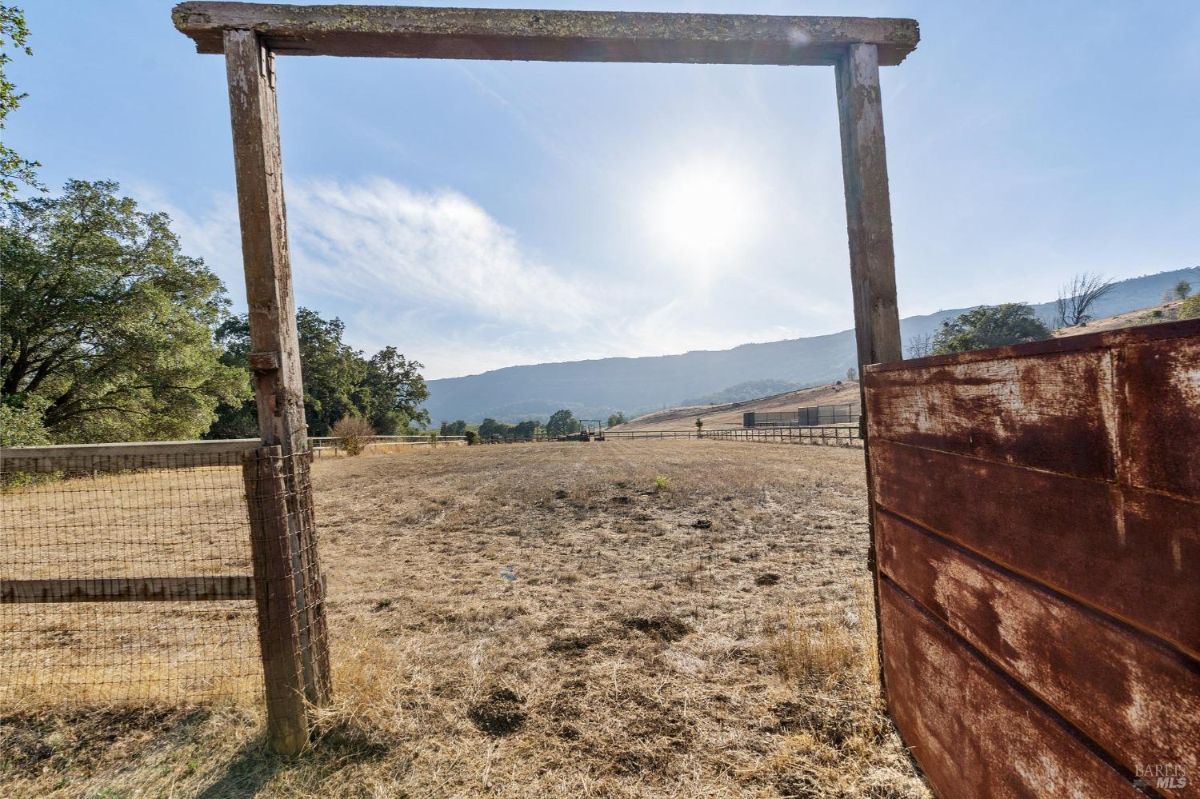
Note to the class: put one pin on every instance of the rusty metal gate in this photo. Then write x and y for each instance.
(1037, 532)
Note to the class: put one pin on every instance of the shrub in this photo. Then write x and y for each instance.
(21, 421)
(1190, 308)
(989, 326)
(472, 437)
(355, 433)
(662, 482)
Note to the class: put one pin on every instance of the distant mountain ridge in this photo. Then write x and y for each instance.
(596, 388)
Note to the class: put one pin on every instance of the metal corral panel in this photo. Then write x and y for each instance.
(1037, 530)
(812, 416)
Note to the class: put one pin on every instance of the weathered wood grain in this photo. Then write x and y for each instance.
(116, 457)
(1074, 660)
(275, 592)
(267, 268)
(1124, 551)
(544, 35)
(128, 589)
(279, 392)
(1053, 412)
(975, 733)
(868, 206)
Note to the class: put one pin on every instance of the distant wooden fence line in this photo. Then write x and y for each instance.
(323, 446)
(829, 436)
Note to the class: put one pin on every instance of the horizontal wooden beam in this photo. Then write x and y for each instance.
(114, 457)
(533, 35)
(128, 589)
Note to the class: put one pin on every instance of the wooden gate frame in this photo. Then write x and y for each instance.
(251, 35)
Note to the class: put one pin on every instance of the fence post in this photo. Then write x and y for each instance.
(275, 596)
(275, 355)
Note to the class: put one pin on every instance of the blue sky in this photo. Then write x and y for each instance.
(483, 214)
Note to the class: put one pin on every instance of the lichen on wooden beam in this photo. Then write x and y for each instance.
(531, 35)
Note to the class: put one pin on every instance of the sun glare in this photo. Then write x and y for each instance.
(702, 213)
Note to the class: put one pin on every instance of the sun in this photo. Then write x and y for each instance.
(703, 212)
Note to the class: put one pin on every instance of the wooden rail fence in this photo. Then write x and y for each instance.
(334, 445)
(830, 436)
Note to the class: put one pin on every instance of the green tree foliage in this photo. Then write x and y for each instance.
(14, 169)
(562, 423)
(386, 390)
(616, 419)
(489, 429)
(395, 392)
(1183, 289)
(458, 428)
(21, 421)
(106, 322)
(525, 430)
(989, 326)
(1190, 308)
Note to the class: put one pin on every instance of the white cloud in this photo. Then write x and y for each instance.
(437, 276)
(436, 251)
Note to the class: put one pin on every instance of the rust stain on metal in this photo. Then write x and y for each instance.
(1038, 531)
(1068, 657)
(974, 732)
(1160, 387)
(1110, 547)
(1033, 412)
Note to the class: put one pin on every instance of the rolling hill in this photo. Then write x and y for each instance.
(728, 415)
(596, 388)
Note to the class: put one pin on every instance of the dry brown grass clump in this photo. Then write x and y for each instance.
(552, 620)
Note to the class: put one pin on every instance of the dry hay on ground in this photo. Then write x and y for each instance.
(616, 619)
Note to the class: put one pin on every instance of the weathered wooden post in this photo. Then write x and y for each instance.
(275, 595)
(869, 228)
(279, 391)
(868, 207)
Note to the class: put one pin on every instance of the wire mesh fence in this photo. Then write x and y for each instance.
(125, 574)
(289, 589)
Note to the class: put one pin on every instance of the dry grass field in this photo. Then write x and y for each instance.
(616, 619)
